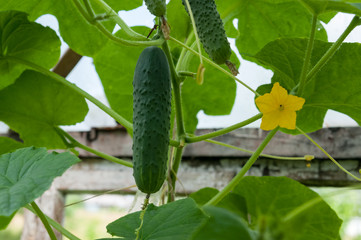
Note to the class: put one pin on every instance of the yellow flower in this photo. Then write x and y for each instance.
(279, 108)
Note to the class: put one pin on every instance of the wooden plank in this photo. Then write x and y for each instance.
(339, 142)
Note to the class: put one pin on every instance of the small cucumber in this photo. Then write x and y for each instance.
(151, 119)
(210, 30)
(156, 7)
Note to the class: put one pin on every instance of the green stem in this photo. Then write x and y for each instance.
(328, 155)
(306, 62)
(117, 40)
(183, 59)
(187, 74)
(43, 219)
(89, 9)
(194, 30)
(176, 92)
(233, 183)
(224, 130)
(261, 155)
(123, 42)
(174, 171)
(91, 150)
(83, 11)
(130, 32)
(56, 225)
(214, 65)
(335, 46)
(109, 111)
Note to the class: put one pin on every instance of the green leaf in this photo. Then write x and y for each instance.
(124, 4)
(263, 21)
(28, 172)
(9, 145)
(26, 41)
(270, 199)
(74, 28)
(5, 220)
(202, 196)
(336, 86)
(323, 6)
(176, 221)
(232, 202)
(115, 65)
(35, 104)
(204, 97)
(223, 225)
(178, 20)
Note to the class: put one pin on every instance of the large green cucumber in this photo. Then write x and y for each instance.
(156, 7)
(151, 119)
(210, 29)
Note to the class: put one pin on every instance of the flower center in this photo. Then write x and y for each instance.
(281, 108)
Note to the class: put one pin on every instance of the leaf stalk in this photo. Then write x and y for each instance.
(233, 183)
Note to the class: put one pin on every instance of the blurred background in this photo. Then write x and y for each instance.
(88, 219)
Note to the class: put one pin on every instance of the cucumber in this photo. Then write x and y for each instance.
(156, 7)
(210, 29)
(151, 119)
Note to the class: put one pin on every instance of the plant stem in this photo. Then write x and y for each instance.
(183, 59)
(224, 130)
(109, 111)
(194, 30)
(120, 21)
(214, 65)
(306, 62)
(233, 183)
(98, 153)
(173, 172)
(117, 40)
(328, 155)
(187, 74)
(176, 92)
(179, 120)
(89, 9)
(123, 42)
(56, 225)
(261, 155)
(335, 46)
(43, 219)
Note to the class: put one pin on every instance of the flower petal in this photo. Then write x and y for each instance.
(294, 103)
(270, 120)
(279, 93)
(288, 119)
(266, 103)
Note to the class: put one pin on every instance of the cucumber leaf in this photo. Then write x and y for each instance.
(74, 28)
(28, 172)
(35, 104)
(271, 199)
(210, 96)
(115, 66)
(26, 41)
(263, 21)
(323, 6)
(232, 202)
(336, 86)
(176, 220)
(9, 145)
(223, 224)
(5, 220)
